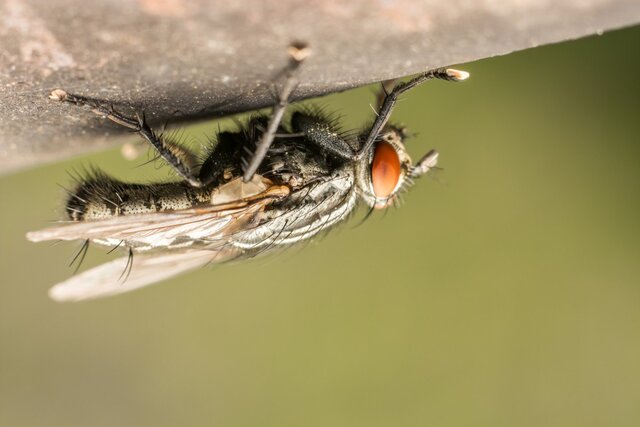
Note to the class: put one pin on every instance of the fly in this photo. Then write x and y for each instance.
(271, 184)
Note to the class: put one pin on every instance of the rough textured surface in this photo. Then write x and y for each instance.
(182, 60)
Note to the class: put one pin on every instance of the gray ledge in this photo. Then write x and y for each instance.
(181, 61)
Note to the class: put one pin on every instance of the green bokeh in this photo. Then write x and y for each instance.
(504, 292)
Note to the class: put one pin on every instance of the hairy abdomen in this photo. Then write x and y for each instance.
(102, 197)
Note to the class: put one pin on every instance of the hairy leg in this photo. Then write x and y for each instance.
(297, 54)
(181, 159)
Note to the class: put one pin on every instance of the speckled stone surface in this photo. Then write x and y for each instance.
(181, 61)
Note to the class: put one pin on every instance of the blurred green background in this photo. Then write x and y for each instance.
(504, 292)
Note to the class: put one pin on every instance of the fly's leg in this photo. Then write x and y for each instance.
(182, 160)
(297, 54)
(319, 132)
(390, 100)
(385, 87)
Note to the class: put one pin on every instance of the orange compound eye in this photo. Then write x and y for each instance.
(385, 170)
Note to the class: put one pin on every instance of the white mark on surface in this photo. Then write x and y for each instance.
(166, 8)
(37, 44)
(220, 45)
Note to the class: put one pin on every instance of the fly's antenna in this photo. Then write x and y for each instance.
(428, 162)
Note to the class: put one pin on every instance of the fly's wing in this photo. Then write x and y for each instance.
(235, 206)
(161, 226)
(108, 279)
(232, 209)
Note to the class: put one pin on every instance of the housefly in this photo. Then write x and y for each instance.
(271, 184)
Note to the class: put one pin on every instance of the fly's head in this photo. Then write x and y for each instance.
(388, 169)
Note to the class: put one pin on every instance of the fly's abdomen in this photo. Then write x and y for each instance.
(102, 197)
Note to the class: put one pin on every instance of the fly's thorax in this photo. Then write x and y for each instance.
(308, 210)
(382, 172)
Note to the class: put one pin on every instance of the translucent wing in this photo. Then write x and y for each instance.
(157, 227)
(108, 279)
(233, 209)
